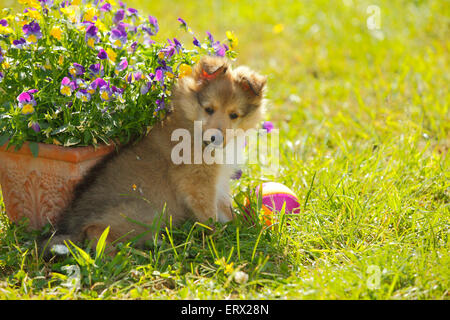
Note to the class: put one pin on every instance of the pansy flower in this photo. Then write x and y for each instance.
(118, 37)
(123, 64)
(96, 69)
(153, 27)
(134, 76)
(83, 95)
(56, 32)
(210, 36)
(91, 37)
(268, 126)
(219, 49)
(131, 12)
(91, 14)
(20, 43)
(102, 55)
(105, 93)
(80, 83)
(32, 32)
(184, 70)
(196, 42)
(76, 70)
(117, 92)
(120, 14)
(26, 102)
(184, 25)
(67, 87)
(35, 126)
(106, 7)
(2, 76)
(97, 83)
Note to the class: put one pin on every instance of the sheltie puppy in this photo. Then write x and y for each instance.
(134, 187)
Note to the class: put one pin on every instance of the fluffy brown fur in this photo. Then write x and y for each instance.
(107, 198)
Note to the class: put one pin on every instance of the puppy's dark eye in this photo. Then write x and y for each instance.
(233, 116)
(209, 110)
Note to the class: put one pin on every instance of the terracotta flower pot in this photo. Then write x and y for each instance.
(39, 188)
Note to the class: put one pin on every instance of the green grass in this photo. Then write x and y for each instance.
(364, 137)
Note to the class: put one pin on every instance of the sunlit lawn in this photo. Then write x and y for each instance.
(364, 137)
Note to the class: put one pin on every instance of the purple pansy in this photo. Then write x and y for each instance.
(35, 126)
(27, 102)
(2, 76)
(105, 93)
(178, 44)
(132, 47)
(268, 126)
(196, 42)
(20, 43)
(153, 26)
(118, 36)
(83, 95)
(159, 75)
(237, 174)
(91, 37)
(97, 83)
(67, 87)
(76, 70)
(96, 69)
(117, 92)
(102, 55)
(219, 49)
(120, 14)
(132, 12)
(4, 23)
(32, 32)
(106, 7)
(210, 37)
(183, 23)
(123, 64)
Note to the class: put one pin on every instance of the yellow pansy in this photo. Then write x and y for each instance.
(101, 26)
(5, 30)
(111, 54)
(65, 90)
(32, 38)
(27, 108)
(184, 70)
(31, 3)
(56, 32)
(71, 12)
(33, 14)
(232, 39)
(91, 12)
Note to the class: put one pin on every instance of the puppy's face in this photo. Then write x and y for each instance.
(222, 98)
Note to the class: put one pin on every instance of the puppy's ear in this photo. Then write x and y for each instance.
(210, 68)
(251, 82)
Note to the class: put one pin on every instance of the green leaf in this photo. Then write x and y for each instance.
(34, 147)
(71, 141)
(60, 129)
(101, 244)
(3, 139)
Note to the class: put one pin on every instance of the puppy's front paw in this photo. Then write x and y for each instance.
(224, 212)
